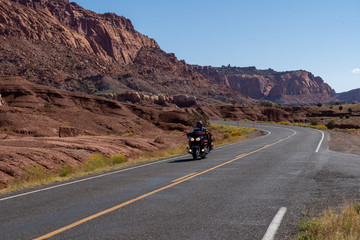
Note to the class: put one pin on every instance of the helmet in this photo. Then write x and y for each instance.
(199, 124)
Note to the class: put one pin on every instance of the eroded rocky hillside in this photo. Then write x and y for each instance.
(60, 44)
(292, 87)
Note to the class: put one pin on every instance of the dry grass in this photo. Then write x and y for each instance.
(332, 226)
(36, 175)
(226, 134)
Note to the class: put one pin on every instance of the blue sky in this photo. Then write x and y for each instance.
(319, 36)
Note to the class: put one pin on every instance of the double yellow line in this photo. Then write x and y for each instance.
(174, 183)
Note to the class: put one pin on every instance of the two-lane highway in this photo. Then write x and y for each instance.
(236, 193)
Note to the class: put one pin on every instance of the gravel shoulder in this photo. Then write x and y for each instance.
(343, 142)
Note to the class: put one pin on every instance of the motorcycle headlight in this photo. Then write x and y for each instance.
(192, 139)
(198, 139)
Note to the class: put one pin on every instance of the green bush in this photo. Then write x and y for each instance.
(313, 122)
(330, 124)
(65, 171)
(266, 104)
(226, 135)
(47, 105)
(117, 159)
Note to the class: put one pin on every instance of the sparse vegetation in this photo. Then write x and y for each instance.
(224, 134)
(330, 124)
(195, 117)
(137, 121)
(266, 104)
(345, 225)
(129, 134)
(35, 175)
(313, 122)
(47, 105)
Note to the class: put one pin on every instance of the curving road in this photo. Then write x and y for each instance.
(256, 189)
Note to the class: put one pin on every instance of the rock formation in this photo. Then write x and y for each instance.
(2, 101)
(292, 87)
(349, 96)
(60, 44)
(109, 36)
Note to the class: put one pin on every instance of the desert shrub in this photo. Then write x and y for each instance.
(345, 225)
(266, 104)
(159, 140)
(195, 117)
(347, 116)
(319, 104)
(226, 135)
(350, 110)
(34, 172)
(330, 124)
(117, 159)
(137, 121)
(65, 171)
(47, 105)
(129, 134)
(313, 122)
(340, 108)
(94, 162)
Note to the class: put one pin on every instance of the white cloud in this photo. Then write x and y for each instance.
(356, 70)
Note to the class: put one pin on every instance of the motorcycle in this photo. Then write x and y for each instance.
(198, 144)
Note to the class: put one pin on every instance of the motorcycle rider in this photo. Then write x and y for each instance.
(200, 127)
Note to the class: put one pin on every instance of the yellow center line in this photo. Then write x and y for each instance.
(178, 181)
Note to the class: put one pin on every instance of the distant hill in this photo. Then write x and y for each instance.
(291, 87)
(349, 96)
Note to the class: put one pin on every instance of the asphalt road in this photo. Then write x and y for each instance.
(233, 194)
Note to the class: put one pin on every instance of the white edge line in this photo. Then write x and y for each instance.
(275, 224)
(322, 139)
(110, 173)
(89, 178)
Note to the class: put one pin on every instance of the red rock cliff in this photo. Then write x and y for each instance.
(292, 87)
(107, 35)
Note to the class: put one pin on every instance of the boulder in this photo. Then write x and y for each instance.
(184, 101)
(132, 97)
(69, 132)
(2, 101)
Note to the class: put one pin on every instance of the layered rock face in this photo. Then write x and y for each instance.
(60, 44)
(293, 87)
(109, 36)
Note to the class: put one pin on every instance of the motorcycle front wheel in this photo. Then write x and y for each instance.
(196, 154)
